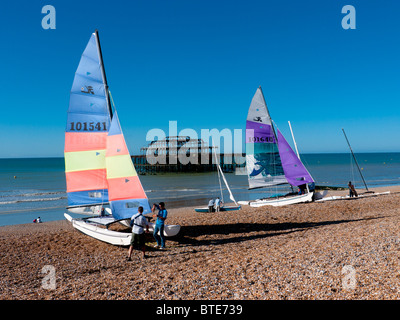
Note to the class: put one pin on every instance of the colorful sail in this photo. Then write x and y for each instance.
(263, 161)
(125, 191)
(86, 132)
(295, 172)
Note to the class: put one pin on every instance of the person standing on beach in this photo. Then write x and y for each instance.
(138, 222)
(159, 226)
(353, 192)
(217, 204)
(211, 205)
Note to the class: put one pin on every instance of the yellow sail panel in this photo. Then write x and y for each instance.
(85, 160)
(120, 166)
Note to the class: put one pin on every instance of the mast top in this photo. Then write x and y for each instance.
(103, 72)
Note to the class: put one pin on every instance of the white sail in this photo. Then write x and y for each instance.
(223, 178)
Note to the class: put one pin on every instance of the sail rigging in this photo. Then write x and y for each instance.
(221, 174)
(125, 190)
(98, 166)
(355, 160)
(263, 163)
(269, 158)
(88, 123)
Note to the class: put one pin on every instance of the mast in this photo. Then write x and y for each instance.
(297, 151)
(355, 160)
(295, 144)
(103, 72)
(265, 103)
(217, 165)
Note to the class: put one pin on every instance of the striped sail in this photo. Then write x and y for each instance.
(263, 162)
(86, 132)
(125, 191)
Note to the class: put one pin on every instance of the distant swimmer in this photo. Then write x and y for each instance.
(15, 177)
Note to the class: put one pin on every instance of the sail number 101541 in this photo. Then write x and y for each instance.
(85, 126)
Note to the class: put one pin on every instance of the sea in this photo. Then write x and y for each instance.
(32, 188)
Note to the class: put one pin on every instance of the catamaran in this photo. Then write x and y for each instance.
(221, 175)
(270, 161)
(98, 167)
(367, 193)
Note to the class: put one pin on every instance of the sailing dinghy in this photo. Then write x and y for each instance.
(367, 193)
(270, 161)
(98, 167)
(221, 174)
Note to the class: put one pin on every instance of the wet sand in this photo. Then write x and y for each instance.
(344, 249)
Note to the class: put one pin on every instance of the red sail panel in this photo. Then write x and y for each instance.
(86, 180)
(82, 141)
(118, 146)
(125, 188)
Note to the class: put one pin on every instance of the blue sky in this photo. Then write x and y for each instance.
(200, 62)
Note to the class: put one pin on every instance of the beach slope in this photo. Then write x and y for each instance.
(347, 249)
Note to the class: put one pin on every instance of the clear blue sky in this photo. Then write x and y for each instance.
(200, 62)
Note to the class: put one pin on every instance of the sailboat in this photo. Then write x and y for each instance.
(270, 161)
(368, 192)
(98, 167)
(221, 175)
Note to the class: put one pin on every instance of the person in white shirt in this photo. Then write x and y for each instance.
(217, 204)
(138, 223)
(211, 205)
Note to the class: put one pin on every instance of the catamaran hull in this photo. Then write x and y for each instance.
(170, 230)
(352, 198)
(282, 201)
(99, 233)
(228, 208)
(114, 237)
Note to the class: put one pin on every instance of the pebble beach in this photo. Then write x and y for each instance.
(333, 250)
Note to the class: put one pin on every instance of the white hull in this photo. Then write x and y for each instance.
(114, 237)
(170, 230)
(100, 233)
(282, 201)
(348, 198)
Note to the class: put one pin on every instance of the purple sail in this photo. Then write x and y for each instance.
(259, 133)
(264, 168)
(295, 172)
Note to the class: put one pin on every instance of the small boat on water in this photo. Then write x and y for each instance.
(98, 167)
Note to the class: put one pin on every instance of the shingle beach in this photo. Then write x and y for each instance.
(345, 249)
